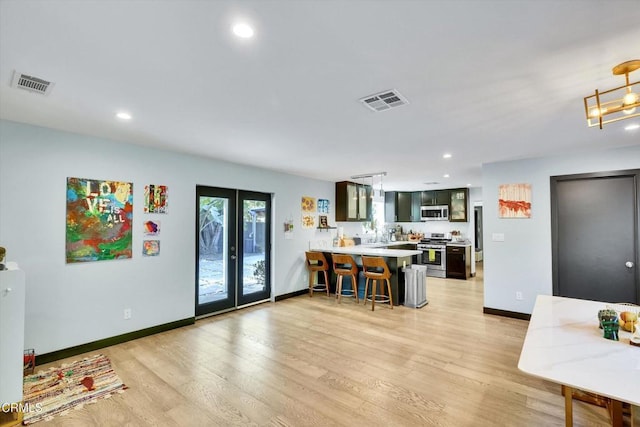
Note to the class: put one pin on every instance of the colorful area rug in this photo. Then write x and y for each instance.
(70, 386)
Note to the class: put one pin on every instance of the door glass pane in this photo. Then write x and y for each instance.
(254, 245)
(213, 236)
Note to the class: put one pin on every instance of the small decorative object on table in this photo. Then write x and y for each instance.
(618, 319)
(607, 312)
(628, 321)
(609, 323)
(611, 328)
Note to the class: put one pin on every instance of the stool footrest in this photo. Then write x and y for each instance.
(379, 298)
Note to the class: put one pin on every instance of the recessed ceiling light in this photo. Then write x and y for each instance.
(446, 156)
(633, 126)
(243, 30)
(123, 115)
(468, 185)
(446, 175)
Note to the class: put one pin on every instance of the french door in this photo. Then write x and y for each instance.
(233, 230)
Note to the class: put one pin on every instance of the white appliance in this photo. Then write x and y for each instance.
(434, 213)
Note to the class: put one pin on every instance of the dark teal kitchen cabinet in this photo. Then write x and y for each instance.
(402, 206)
(435, 198)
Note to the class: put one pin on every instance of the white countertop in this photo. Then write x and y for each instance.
(564, 345)
(370, 251)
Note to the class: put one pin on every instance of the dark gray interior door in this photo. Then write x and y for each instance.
(595, 236)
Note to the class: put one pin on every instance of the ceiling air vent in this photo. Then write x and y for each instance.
(30, 83)
(384, 100)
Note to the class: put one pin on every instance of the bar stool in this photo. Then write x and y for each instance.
(371, 267)
(345, 265)
(316, 263)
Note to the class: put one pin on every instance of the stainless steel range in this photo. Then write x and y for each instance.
(434, 253)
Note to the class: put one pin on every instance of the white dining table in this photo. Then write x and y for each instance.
(564, 345)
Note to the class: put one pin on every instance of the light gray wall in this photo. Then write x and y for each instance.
(522, 263)
(72, 304)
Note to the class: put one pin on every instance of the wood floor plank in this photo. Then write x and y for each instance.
(311, 361)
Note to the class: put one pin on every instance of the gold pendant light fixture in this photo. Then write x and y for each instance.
(615, 104)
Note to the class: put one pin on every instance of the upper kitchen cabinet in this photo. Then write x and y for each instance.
(353, 201)
(402, 206)
(416, 202)
(458, 205)
(435, 198)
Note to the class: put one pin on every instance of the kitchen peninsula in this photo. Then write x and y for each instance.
(395, 259)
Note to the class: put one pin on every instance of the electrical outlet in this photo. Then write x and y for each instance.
(127, 313)
(519, 296)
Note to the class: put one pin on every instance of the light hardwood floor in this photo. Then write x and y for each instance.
(311, 361)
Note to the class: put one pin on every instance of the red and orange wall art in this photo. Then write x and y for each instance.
(99, 215)
(514, 201)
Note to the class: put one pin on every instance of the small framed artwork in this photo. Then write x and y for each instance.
(288, 226)
(156, 198)
(152, 228)
(308, 204)
(151, 247)
(323, 206)
(308, 221)
(324, 223)
(288, 229)
(514, 201)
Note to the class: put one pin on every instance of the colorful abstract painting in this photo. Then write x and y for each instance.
(152, 228)
(99, 215)
(514, 201)
(155, 198)
(151, 247)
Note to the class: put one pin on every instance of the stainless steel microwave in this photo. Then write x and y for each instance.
(434, 213)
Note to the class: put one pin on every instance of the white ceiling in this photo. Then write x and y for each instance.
(486, 80)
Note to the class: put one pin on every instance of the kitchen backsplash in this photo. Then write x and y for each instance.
(352, 229)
